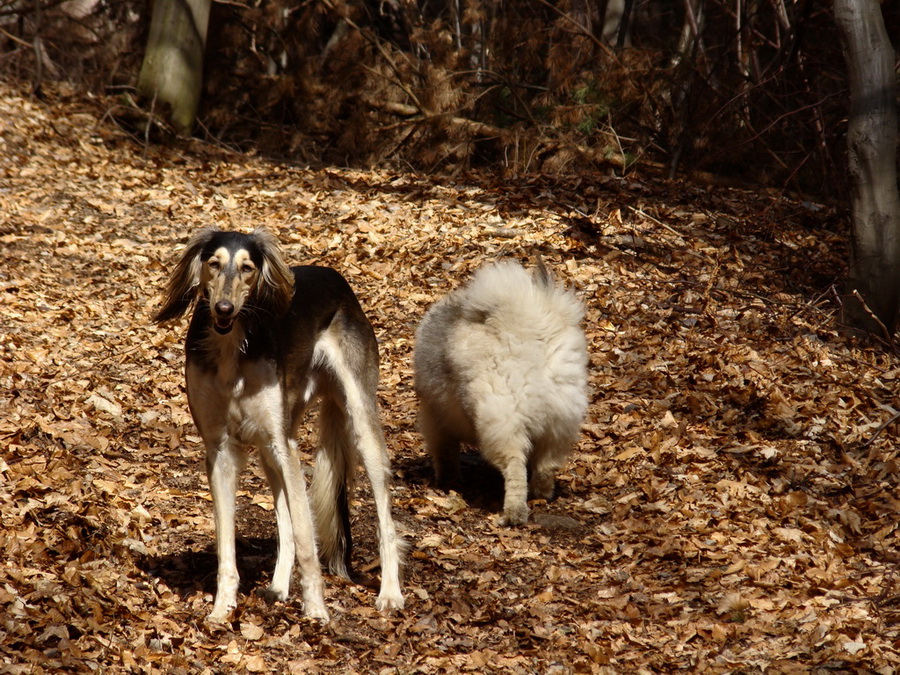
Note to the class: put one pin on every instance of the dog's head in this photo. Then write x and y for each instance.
(232, 272)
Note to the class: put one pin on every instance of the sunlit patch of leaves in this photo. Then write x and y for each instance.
(730, 506)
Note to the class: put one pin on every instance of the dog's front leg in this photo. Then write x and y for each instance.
(223, 463)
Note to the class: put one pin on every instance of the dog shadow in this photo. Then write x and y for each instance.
(481, 484)
(193, 569)
(481, 487)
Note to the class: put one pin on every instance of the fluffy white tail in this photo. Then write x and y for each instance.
(502, 362)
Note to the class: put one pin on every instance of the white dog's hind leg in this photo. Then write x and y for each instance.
(546, 459)
(542, 484)
(507, 451)
(223, 463)
(515, 492)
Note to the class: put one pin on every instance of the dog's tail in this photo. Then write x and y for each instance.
(332, 485)
(541, 274)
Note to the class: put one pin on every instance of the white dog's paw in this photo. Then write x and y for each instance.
(515, 515)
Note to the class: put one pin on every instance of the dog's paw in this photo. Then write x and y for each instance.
(222, 607)
(316, 610)
(272, 595)
(515, 515)
(542, 486)
(219, 615)
(389, 601)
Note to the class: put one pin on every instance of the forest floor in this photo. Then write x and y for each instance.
(730, 507)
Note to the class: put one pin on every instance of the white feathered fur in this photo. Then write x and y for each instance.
(502, 363)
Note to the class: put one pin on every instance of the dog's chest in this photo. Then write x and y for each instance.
(242, 399)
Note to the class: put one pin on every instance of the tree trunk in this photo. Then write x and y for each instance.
(874, 277)
(172, 71)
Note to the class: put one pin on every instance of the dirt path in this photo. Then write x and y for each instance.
(721, 512)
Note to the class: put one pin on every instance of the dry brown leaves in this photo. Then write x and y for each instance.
(721, 513)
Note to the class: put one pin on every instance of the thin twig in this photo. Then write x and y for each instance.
(14, 38)
(867, 309)
(655, 220)
(584, 31)
(877, 433)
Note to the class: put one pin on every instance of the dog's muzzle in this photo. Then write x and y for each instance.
(223, 317)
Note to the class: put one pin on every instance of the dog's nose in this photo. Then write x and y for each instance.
(224, 308)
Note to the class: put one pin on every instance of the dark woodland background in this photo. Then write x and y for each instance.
(752, 93)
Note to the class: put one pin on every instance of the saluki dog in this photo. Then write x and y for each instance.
(264, 342)
(502, 363)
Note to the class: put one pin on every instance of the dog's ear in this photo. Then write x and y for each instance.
(275, 284)
(185, 280)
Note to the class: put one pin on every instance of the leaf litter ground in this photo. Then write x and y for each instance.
(730, 507)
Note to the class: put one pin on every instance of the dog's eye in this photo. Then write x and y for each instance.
(214, 264)
(248, 268)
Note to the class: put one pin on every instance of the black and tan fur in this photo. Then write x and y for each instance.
(265, 342)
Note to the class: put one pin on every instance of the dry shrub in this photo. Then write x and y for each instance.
(89, 42)
(529, 86)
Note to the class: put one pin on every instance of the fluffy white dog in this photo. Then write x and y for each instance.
(502, 363)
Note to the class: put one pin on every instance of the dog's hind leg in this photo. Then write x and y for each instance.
(443, 448)
(507, 449)
(224, 460)
(547, 457)
(356, 371)
(541, 483)
(549, 454)
(279, 588)
(372, 448)
(504, 443)
(515, 491)
(288, 480)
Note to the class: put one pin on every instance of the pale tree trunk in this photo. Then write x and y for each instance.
(617, 23)
(874, 278)
(172, 71)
